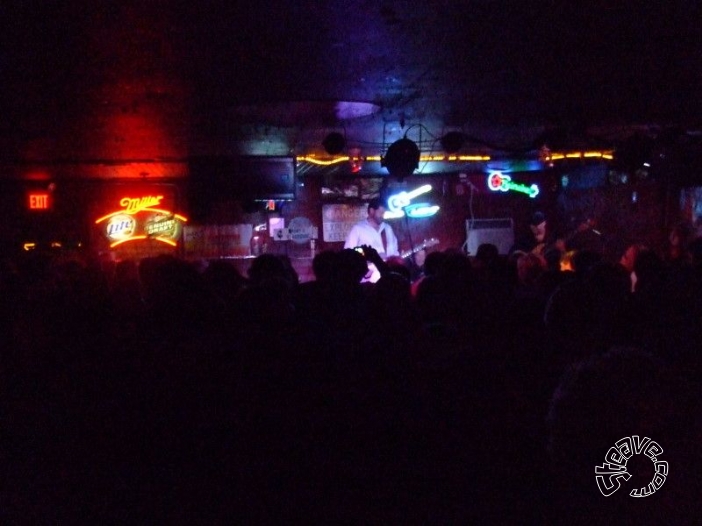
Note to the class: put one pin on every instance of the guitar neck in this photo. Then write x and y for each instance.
(409, 253)
(416, 249)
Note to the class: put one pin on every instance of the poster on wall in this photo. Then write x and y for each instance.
(361, 188)
(337, 220)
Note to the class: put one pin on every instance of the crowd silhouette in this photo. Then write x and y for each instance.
(164, 391)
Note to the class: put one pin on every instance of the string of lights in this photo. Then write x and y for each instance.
(550, 157)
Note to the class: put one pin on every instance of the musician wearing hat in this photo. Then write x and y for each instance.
(540, 238)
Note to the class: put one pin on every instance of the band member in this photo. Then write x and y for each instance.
(585, 236)
(374, 232)
(539, 238)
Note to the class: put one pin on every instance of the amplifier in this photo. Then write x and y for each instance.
(499, 232)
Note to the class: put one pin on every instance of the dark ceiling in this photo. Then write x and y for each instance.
(275, 77)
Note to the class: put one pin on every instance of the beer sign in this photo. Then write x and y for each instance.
(141, 217)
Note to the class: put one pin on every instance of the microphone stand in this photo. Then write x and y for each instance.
(409, 236)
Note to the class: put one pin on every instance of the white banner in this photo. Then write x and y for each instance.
(337, 220)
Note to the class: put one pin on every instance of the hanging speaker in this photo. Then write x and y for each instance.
(334, 143)
(401, 159)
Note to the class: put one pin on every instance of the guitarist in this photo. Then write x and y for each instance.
(374, 232)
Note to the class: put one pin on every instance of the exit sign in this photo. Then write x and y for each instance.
(38, 201)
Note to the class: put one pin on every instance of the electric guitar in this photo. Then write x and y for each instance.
(425, 244)
(373, 273)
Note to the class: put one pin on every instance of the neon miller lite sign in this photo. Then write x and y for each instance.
(132, 206)
(161, 225)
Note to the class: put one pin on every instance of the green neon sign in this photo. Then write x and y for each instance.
(499, 182)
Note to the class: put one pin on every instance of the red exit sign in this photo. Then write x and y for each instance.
(38, 201)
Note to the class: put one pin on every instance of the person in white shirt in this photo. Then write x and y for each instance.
(374, 232)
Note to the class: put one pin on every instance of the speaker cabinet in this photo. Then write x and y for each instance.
(499, 232)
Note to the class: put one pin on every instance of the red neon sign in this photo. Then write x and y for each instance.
(497, 181)
(38, 201)
(153, 222)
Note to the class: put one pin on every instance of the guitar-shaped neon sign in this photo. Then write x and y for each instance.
(401, 204)
(497, 181)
